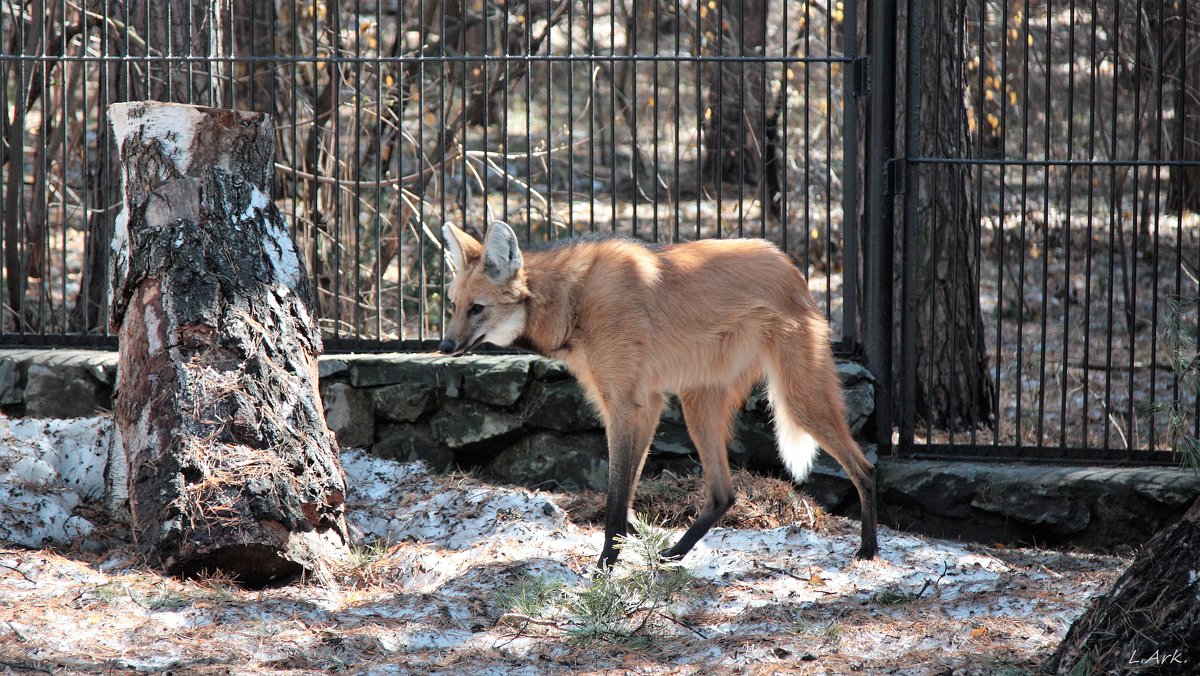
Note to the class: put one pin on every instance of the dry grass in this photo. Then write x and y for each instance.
(673, 501)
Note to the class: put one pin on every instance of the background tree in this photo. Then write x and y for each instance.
(1180, 32)
(953, 385)
(736, 105)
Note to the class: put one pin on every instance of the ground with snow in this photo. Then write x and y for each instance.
(453, 575)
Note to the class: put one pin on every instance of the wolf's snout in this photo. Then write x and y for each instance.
(446, 346)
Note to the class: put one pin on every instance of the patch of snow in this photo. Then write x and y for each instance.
(47, 467)
(455, 517)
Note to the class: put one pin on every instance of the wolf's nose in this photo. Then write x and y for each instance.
(446, 346)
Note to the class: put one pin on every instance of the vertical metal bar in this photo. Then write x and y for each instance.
(63, 121)
(806, 131)
(741, 151)
(5, 168)
(1087, 294)
(356, 198)
(675, 177)
(593, 73)
(1185, 50)
(1114, 213)
(377, 219)
(782, 131)
(85, 197)
(980, 120)
(880, 216)
(571, 120)
(1068, 233)
(635, 153)
(419, 157)
(527, 48)
(1133, 430)
(1046, 143)
(654, 108)
(850, 176)
(44, 236)
(908, 316)
(313, 183)
(718, 116)
(549, 157)
(294, 179)
(1023, 35)
(612, 109)
(701, 110)
(443, 73)
(548, 160)
(1158, 148)
(764, 143)
(335, 78)
(956, 203)
(22, 212)
(502, 157)
(828, 178)
(1001, 267)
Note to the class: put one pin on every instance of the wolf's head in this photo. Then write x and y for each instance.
(487, 296)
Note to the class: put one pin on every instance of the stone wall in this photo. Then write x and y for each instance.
(518, 418)
(522, 419)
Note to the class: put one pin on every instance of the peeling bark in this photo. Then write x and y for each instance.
(231, 464)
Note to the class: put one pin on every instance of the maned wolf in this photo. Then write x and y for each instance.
(704, 319)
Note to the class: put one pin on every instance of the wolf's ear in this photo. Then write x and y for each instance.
(461, 248)
(501, 255)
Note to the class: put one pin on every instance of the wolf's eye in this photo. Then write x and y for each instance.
(475, 309)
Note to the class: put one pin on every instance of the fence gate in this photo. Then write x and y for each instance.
(1049, 239)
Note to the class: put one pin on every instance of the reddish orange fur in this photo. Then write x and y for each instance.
(704, 320)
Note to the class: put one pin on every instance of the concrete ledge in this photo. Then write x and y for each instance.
(1104, 508)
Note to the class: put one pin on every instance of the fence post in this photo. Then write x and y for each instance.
(854, 84)
(877, 268)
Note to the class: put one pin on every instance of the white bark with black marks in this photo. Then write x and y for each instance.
(231, 464)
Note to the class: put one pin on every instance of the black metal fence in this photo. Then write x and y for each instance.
(1036, 157)
(1064, 139)
(663, 121)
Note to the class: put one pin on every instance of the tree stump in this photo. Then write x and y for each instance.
(1149, 622)
(232, 468)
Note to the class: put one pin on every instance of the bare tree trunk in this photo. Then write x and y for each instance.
(953, 383)
(1149, 622)
(734, 124)
(231, 464)
(1182, 26)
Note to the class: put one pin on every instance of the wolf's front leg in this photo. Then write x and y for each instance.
(630, 431)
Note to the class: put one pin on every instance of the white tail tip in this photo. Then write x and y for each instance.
(797, 448)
